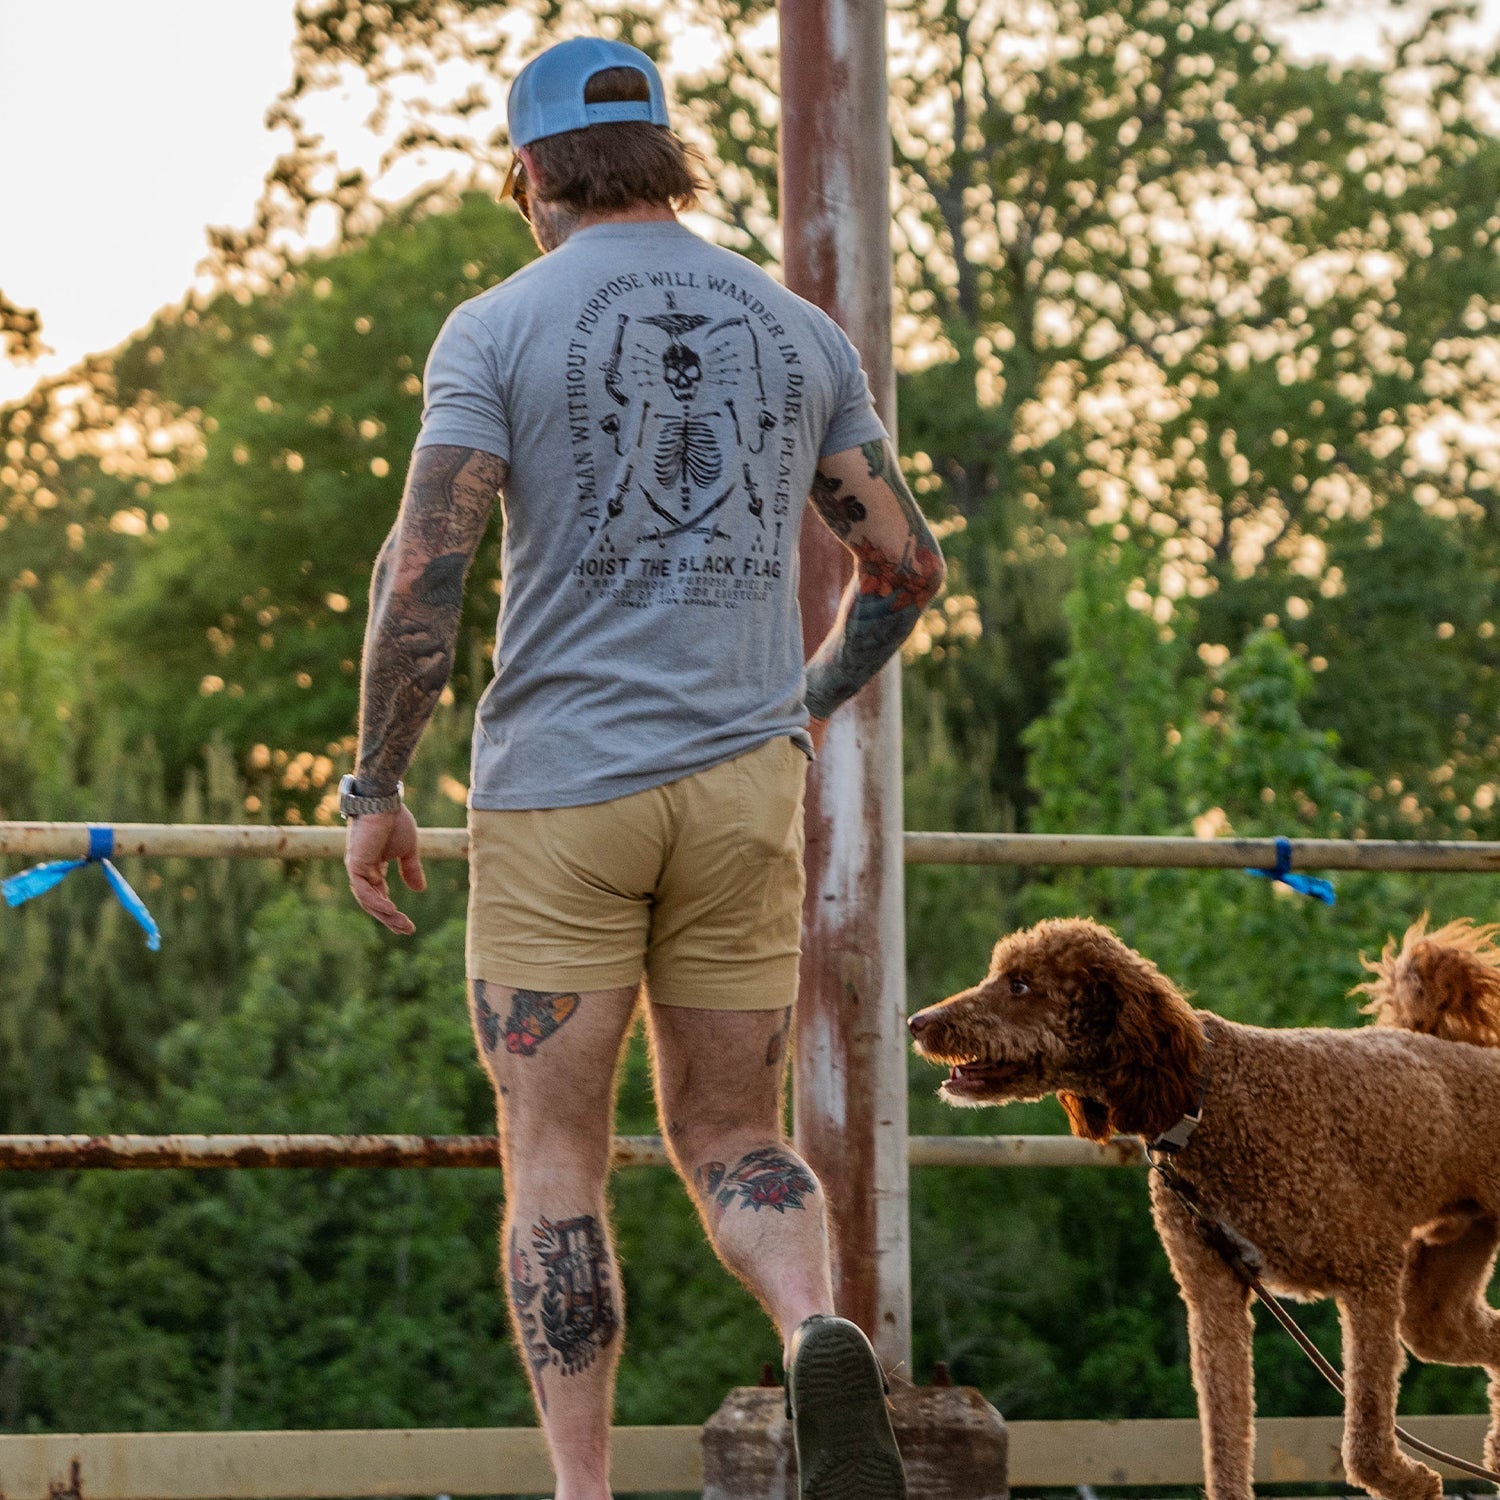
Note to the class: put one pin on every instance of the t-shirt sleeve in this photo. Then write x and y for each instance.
(854, 418)
(464, 404)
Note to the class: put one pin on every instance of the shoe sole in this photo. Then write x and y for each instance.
(842, 1429)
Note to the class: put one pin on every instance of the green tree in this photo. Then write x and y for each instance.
(247, 609)
(20, 332)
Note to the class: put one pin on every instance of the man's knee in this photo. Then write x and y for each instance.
(769, 1175)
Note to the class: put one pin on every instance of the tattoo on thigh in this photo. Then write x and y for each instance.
(523, 1294)
(485, 1019)
(766, 1178)
(577, 1308)
(776, 1047)
(534, 1017)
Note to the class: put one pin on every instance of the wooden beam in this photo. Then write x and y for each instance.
(513, 1461)
(1288, 1450)
(320, 1465)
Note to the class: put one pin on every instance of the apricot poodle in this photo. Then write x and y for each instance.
(1362, 1164)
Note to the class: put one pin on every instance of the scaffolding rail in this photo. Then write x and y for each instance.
(46, 1153)
(318, 1464)
(1105, 851)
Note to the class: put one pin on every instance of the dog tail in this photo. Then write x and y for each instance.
(1445, 983)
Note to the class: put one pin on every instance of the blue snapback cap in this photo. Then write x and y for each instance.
(547, 96)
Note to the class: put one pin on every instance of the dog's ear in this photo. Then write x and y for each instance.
(1086, 1117)
(1155, 1051)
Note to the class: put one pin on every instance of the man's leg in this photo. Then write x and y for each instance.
(553, 1058)
(721, 974)
(719, 1087)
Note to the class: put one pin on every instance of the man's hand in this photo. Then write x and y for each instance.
(374, 840)
(817, 730)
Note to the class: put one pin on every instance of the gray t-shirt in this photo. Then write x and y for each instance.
(662, 404)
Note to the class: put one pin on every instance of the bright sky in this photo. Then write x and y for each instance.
(130, 125)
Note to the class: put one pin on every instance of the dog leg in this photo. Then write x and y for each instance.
(1446, 1319)
(1372, 1367)
(1220, 1328)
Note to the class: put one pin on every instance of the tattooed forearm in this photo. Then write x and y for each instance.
(898, 571)
(768, 1177)
(415, 599)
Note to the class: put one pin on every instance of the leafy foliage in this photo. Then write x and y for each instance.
(1198, 351)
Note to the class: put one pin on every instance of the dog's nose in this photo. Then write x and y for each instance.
(918, 1023)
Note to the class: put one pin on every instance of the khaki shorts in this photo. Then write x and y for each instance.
(695, 886)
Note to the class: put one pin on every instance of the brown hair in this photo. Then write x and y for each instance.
(612, 166)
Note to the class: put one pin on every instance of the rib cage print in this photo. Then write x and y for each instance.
(683, 395)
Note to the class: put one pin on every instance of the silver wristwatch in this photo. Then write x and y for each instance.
(352, 805)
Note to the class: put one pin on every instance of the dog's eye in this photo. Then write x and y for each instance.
(1019, 987)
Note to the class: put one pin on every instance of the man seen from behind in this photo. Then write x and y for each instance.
(655, 411)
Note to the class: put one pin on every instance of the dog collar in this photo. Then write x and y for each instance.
(1170, 1142)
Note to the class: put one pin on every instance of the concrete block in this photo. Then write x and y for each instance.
(952, 1442)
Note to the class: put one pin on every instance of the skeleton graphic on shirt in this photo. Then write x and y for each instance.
(681, 438)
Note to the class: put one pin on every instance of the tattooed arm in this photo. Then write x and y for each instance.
(415, 599)
(898, 571)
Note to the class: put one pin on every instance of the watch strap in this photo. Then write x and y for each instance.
(353, 805)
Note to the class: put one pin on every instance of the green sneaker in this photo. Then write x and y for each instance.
(835, 1395)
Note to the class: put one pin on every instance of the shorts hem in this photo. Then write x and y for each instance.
(768, 990)
(552, 979)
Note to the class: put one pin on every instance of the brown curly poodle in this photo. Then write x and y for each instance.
(1362, 1164)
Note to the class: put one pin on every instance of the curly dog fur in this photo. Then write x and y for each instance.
(1363, 1164)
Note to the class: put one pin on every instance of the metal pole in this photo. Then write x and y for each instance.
(50, 1153)
(850, 1094)
(1115, 851)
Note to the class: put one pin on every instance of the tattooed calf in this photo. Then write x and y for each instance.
(768, 1177)
(523, 1292)
(578, 1309)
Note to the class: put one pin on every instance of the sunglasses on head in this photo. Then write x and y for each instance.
(514, 187)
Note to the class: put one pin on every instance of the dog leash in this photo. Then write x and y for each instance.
(1246, 1262)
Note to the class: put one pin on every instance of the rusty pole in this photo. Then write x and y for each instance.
(850, 1078)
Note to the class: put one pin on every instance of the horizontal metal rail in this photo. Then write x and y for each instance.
(513, 1461)
(44, 1153)
(1114, 851)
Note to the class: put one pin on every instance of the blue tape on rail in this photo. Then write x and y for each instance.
(1305, 885)
(36, 881)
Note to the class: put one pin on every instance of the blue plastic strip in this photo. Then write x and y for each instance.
(133, 904)
(36, 881)
(1304, 885)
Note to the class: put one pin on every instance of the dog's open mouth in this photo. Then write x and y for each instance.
(982, 1080)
